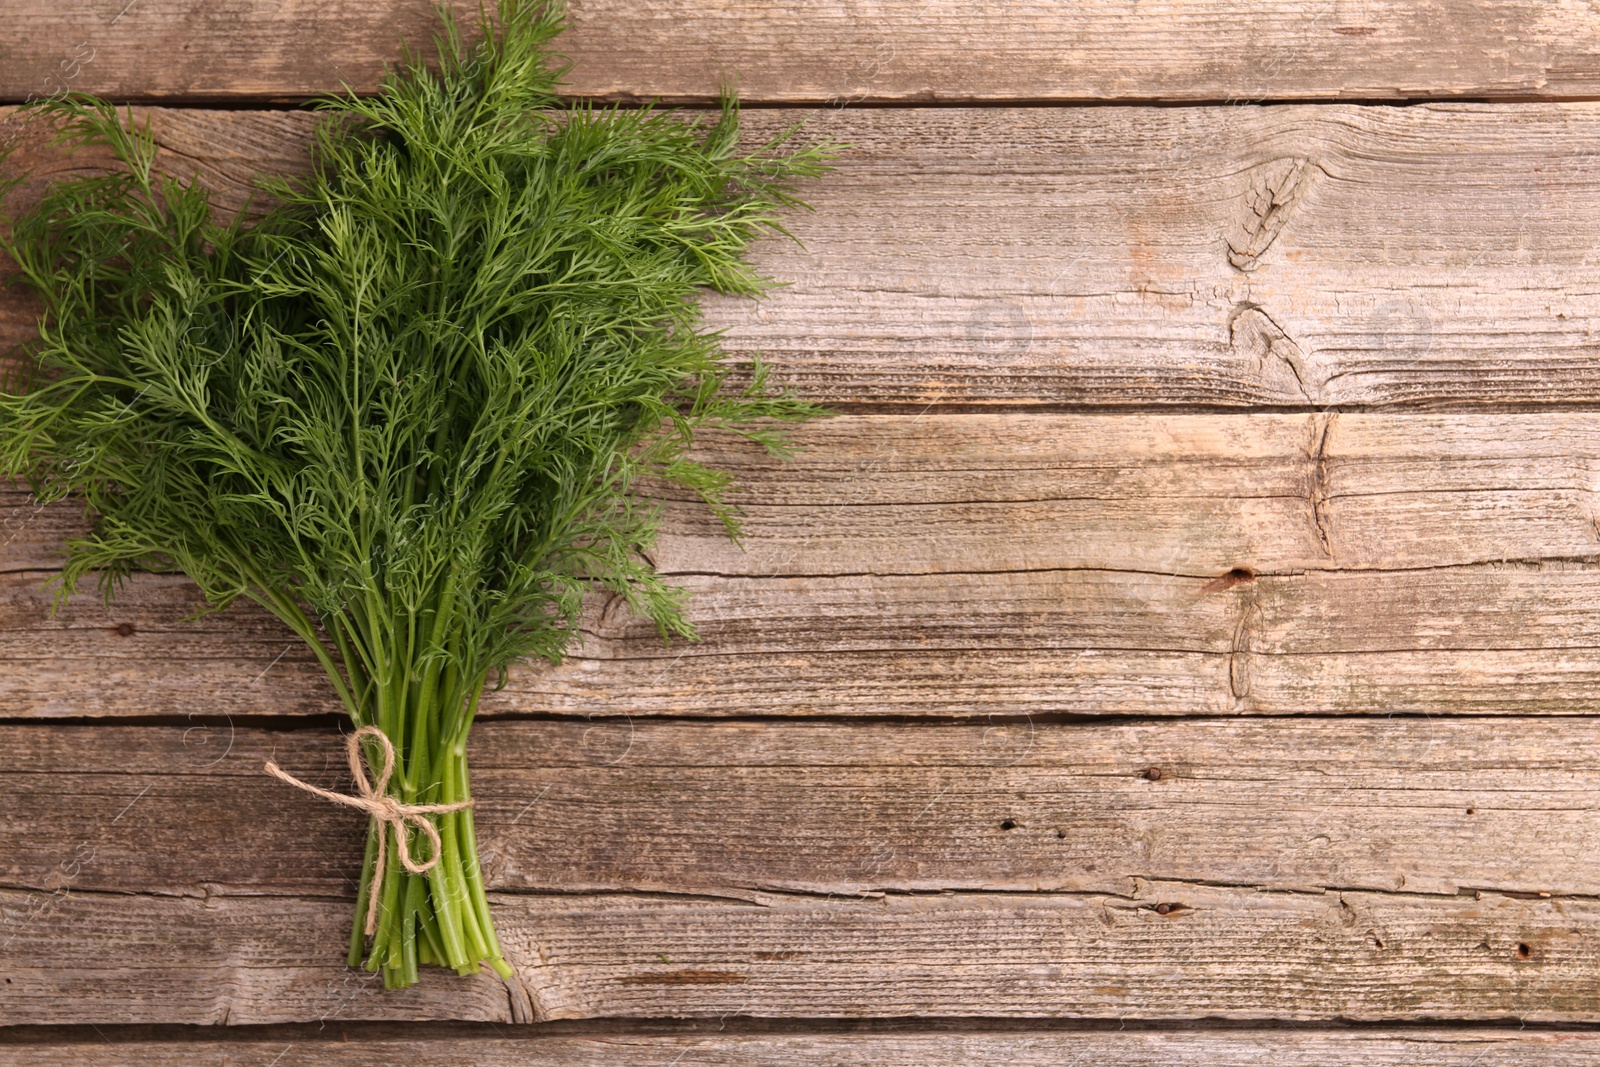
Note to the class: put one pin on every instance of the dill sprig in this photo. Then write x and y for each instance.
(410, 409)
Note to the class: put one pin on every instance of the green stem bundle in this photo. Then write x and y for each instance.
(441, 917)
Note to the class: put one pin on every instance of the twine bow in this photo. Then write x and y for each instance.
(388, 811)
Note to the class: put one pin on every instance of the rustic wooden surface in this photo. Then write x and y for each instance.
(1240, 869)
(1182, 645)
(1408, 805)
(1238, 257)
(713, 1045)
(1217, 952)
(999, 565)
(839, 52)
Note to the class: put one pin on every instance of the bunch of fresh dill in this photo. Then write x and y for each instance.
(410, 409)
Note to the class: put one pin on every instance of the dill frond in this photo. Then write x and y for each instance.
(410, 409)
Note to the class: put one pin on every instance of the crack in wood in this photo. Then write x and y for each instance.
(1317, 494)
(1144, 890)
(1251, 621)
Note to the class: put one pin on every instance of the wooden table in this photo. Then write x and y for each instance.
(1179, 649)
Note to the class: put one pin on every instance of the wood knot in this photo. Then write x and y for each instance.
(1273, 354)
(1277, 188)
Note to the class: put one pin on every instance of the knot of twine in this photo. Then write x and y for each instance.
(388, 811)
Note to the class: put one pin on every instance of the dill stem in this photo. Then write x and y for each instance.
(358, 931)
(450, 884)
(474, 872)
(416, 893)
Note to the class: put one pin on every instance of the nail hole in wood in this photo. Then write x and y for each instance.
(1524, 950)
(124, 629)
(1008, 824)
(1237, 576)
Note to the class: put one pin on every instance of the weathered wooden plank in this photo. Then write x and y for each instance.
(1237, 256)
(1488, 640)
(1415, 805)
(353, 1046)
(840, 52)
(1179, 495)
(1399, 869)
(1215, 951)
(1211, 952)
(1299, 256)
(71, 956)
(225, 150)
(977, 565)
(1195, 495)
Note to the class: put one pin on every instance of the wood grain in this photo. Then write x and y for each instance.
(1299, 256)
(358, 1046)
(1494, 640)
(91, 957)
(1211, 952)
(1293, 256)
(1376, 856)
(1215, 952)
(1404, 805)
(905, 51)
(1168, 495)
(984, 565)
(1405, 869)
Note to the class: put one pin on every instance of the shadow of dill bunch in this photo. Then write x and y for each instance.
(408, 410)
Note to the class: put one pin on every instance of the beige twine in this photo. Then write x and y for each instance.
(388, 811)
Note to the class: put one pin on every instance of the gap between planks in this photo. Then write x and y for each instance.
(746, 1043)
